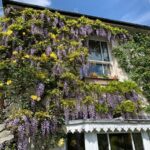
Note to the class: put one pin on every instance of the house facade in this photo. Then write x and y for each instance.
(111, 133)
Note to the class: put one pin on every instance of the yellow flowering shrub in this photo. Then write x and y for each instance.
(35, 98)
(53, 56)
(61, 142)
(9, 82)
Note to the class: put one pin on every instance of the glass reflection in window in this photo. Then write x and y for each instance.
(120, 141)
(75, 141)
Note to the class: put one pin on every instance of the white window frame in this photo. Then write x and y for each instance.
(108, 139)
(93, 143)
(109, 54)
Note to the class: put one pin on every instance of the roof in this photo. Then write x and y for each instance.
(107, 126)
(12, 2)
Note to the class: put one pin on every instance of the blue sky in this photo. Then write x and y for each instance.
(135, 11)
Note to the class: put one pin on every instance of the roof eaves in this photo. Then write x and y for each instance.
(73, 14)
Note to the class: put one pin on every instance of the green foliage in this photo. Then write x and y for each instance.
(101, 108)
(133, 56)
(88, 100)
(128, 106)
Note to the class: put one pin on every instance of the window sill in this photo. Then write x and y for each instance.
(101, 80)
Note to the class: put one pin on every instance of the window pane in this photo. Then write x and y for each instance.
(138, 141)
(1, 8)
(94, 50)
(96, 69)
(120, 142)
(106, 69)
(105, 51)
(102, 141)
(99, 69)
(75, 141)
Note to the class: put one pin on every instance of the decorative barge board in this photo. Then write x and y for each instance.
(105, 126)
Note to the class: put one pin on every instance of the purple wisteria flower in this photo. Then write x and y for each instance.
(61, 24)
(21, 131)
(82, 31)
(34, 126)
(135, 96)
(40, 89)
(45, 127)
(57, 69)
(25, 119)
(84, 70)
(48, 19)
(59, 55)
(48, 50)
(33, 104)
(85, 112)
(15, 122)
(101, 32)
(111, 100)
(36, 30)
(23, 143)
(32, 51)
(101, 100)
(91, 112)
(88, 29)
(55, 22)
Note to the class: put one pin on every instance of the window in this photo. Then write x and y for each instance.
(75, 141)
(137, 138)
(120, 141)
(1, 8)
(102, 141)
(99, 58)
(107, 141)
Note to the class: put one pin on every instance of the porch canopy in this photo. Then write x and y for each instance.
(104, 126)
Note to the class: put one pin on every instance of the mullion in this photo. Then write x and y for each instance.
(102, 56)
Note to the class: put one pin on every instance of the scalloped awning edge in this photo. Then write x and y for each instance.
(89, 126)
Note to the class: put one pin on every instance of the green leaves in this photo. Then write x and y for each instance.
(101, 108)
(128, 106)
(133, 56)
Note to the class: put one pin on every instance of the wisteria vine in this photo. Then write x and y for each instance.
(43, 62)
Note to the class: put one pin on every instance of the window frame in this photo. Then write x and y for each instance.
(109, 47)
(131, 136)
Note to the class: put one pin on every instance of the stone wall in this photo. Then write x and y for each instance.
(5, 136)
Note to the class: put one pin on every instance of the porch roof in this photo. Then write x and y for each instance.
(108, 126)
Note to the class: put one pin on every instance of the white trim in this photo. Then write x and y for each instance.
(91, 142)
(146, 140)
(103, 126)
(133, 146)
(99, 62)
(109, 146)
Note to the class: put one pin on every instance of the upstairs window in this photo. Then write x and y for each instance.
(98, 51)
(99, 58)
(1, 8)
